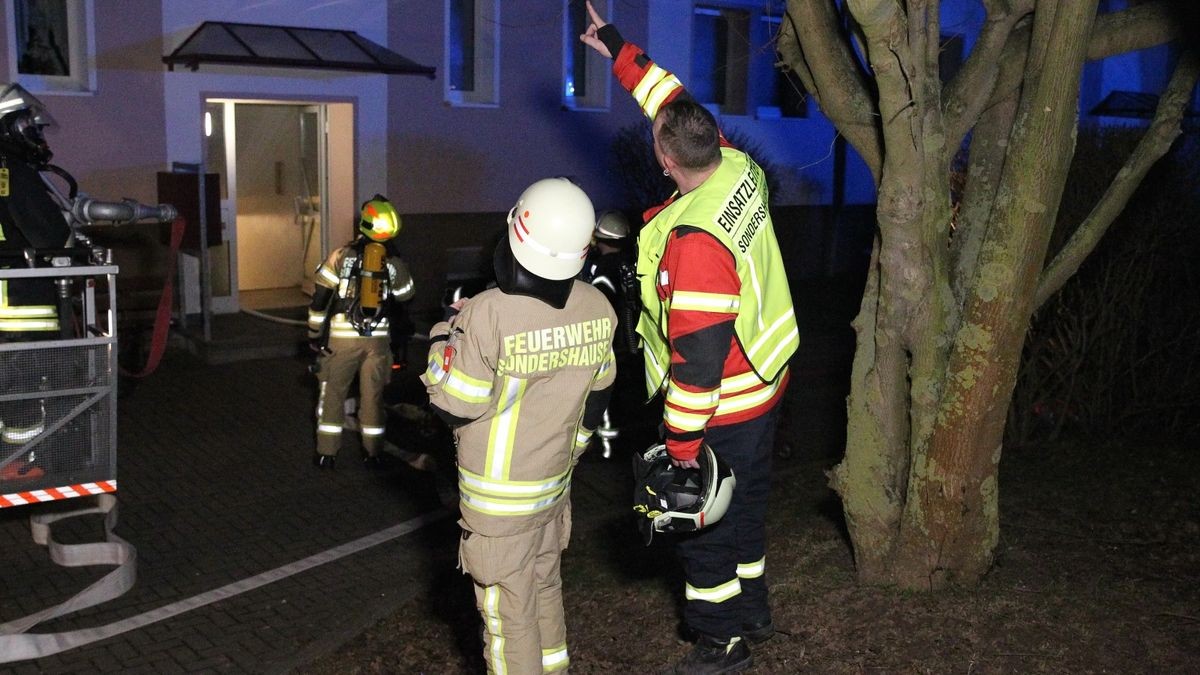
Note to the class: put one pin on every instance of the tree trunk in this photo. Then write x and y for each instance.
(946, 305)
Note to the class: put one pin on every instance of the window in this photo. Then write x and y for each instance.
(52, 46)
(720, 58)
(786, 96)
(472, 52)
(585, 73)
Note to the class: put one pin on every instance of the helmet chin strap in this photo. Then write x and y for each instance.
(514, 279)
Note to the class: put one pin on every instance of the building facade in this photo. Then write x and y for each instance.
(513, 98)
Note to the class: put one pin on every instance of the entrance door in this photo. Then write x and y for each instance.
(277, 199)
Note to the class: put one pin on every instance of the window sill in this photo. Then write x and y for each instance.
(469, 104)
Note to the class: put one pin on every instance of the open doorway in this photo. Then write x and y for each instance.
(287, 174)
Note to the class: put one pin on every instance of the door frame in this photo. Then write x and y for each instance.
(229, 103)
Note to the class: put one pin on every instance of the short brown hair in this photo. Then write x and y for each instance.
(688, 133)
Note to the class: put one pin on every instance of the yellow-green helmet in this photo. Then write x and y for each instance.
(379, 220)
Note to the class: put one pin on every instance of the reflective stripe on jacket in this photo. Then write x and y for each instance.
(519, 371)
(339, 272)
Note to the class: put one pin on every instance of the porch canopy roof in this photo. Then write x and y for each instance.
(1135, 104)
(250, 44)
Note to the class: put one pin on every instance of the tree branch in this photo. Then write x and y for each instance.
(1140, 27)
(971, 88)
(811, 42)
(1162, 132)
(1129, 30)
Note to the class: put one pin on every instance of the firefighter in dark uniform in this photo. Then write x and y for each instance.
(29, 219)
(359, 293)
(607, 265)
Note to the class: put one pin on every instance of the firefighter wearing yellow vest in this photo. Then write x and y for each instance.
(718, 328)
(523, 373)
(358, 296)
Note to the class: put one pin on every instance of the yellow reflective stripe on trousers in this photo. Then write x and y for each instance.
(466, 388)
(555, 658)
(720, 593)
(503, 433)
(491, 617)
(752, 570)
(329, 428)
(722, 303)
(372, 431)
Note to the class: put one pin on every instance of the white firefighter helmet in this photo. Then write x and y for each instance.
(671, 499)
(612, 225)
(550, 227)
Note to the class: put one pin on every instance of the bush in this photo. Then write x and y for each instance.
(1116, 352)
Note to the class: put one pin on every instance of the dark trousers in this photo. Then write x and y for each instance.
(724, 565)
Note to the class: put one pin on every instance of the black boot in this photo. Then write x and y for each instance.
(755, 632)
(711, 656)
(323, 461)
(376, 462)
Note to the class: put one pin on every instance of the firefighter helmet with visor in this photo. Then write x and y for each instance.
(612, 225)
(672, 499)
(379, 220)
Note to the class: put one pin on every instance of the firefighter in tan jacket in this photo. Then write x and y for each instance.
(359, 291)
(523, 373)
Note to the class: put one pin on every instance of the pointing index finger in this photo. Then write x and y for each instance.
(600, 23)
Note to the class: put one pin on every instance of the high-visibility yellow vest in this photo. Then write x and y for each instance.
(732, 206)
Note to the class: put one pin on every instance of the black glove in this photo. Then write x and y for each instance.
(611, 38)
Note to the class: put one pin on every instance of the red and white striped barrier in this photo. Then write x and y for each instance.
(56, 493)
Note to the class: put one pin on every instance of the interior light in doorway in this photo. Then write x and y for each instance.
(207, 124)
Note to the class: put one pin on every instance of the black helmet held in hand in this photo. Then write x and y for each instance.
(671, 499)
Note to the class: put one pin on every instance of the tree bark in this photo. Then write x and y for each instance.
(950, 525)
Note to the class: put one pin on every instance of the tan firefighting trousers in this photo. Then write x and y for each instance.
(518, 590)
(369, 358)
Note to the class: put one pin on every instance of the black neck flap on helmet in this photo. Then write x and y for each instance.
(513, 279)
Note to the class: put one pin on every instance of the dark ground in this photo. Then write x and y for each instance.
(1098, 568)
